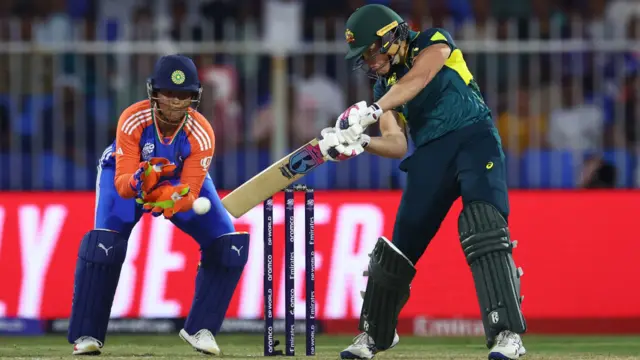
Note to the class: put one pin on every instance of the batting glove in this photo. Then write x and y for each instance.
(336, 150)
(352, 123)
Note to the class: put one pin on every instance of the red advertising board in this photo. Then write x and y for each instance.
(577, 249)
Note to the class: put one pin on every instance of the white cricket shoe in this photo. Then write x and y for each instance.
(363, 347)
(203, 341)
(86, 345)
(508, 346)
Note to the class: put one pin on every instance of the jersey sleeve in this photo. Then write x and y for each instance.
(378, 90)
(130, 126)
(431, 37)
(196, 165)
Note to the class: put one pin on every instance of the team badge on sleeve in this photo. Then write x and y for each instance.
(205, 163)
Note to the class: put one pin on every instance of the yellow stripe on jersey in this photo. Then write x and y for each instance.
(402, 118)
(456, 63)
(438, 37)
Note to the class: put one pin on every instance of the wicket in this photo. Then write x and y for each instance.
(289, 202)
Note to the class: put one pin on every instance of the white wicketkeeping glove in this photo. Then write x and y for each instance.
(352, 123)
(331, 146)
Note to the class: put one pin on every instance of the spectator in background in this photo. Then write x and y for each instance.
(218, 12)
(597, 174)
(461, 11)
(143, 31)
(5, 146)
(114, 17)
(5, 129)
(623, 74)
(578, 124)
(628, 103)
(319, 100)
(480, 26)
(220, 104)
(181, 26)
(143, 20)
(54, 25)
(316, 100)
(509, 9)
(617, 15)
(519, 128)
(6, 34)
(263, 122)
(596, 27)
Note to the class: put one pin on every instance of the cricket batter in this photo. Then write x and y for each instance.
(424, 84)
(158, 163)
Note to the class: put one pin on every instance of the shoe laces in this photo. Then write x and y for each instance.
(363, 339)
(83, 338)
(506, 337)
(204, 333)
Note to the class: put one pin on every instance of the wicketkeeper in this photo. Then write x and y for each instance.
(158, 163)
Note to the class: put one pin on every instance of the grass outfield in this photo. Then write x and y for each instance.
(327, 347)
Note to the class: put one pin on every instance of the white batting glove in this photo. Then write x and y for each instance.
(331, 146)
(359, 114)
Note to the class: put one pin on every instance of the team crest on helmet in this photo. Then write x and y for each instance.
(349, 36)
(178, 77)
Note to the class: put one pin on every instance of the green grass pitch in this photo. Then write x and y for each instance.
(327, 347)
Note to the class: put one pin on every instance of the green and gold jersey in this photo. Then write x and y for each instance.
(451, 100)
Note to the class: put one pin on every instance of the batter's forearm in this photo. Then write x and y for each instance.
(389, 146)
(401, 93)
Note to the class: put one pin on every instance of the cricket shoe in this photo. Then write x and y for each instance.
(203, 341)
(87, 345)
(508, 347)
(364, 347)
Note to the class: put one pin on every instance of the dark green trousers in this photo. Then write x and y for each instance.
(468, 162)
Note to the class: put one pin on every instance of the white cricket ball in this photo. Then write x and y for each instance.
(201, 205)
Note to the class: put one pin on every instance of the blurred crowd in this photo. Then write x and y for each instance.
(562, 81)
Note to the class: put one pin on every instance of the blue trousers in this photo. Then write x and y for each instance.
(467, 163)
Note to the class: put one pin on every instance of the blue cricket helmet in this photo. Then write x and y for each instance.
(175, 73)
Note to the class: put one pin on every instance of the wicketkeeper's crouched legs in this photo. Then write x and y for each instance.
(98, 266)
(484, 235)
(219, 271)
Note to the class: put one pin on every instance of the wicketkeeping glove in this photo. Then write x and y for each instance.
(148, 175)
(167, 200)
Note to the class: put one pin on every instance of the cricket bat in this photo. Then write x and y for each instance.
(274, 178)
